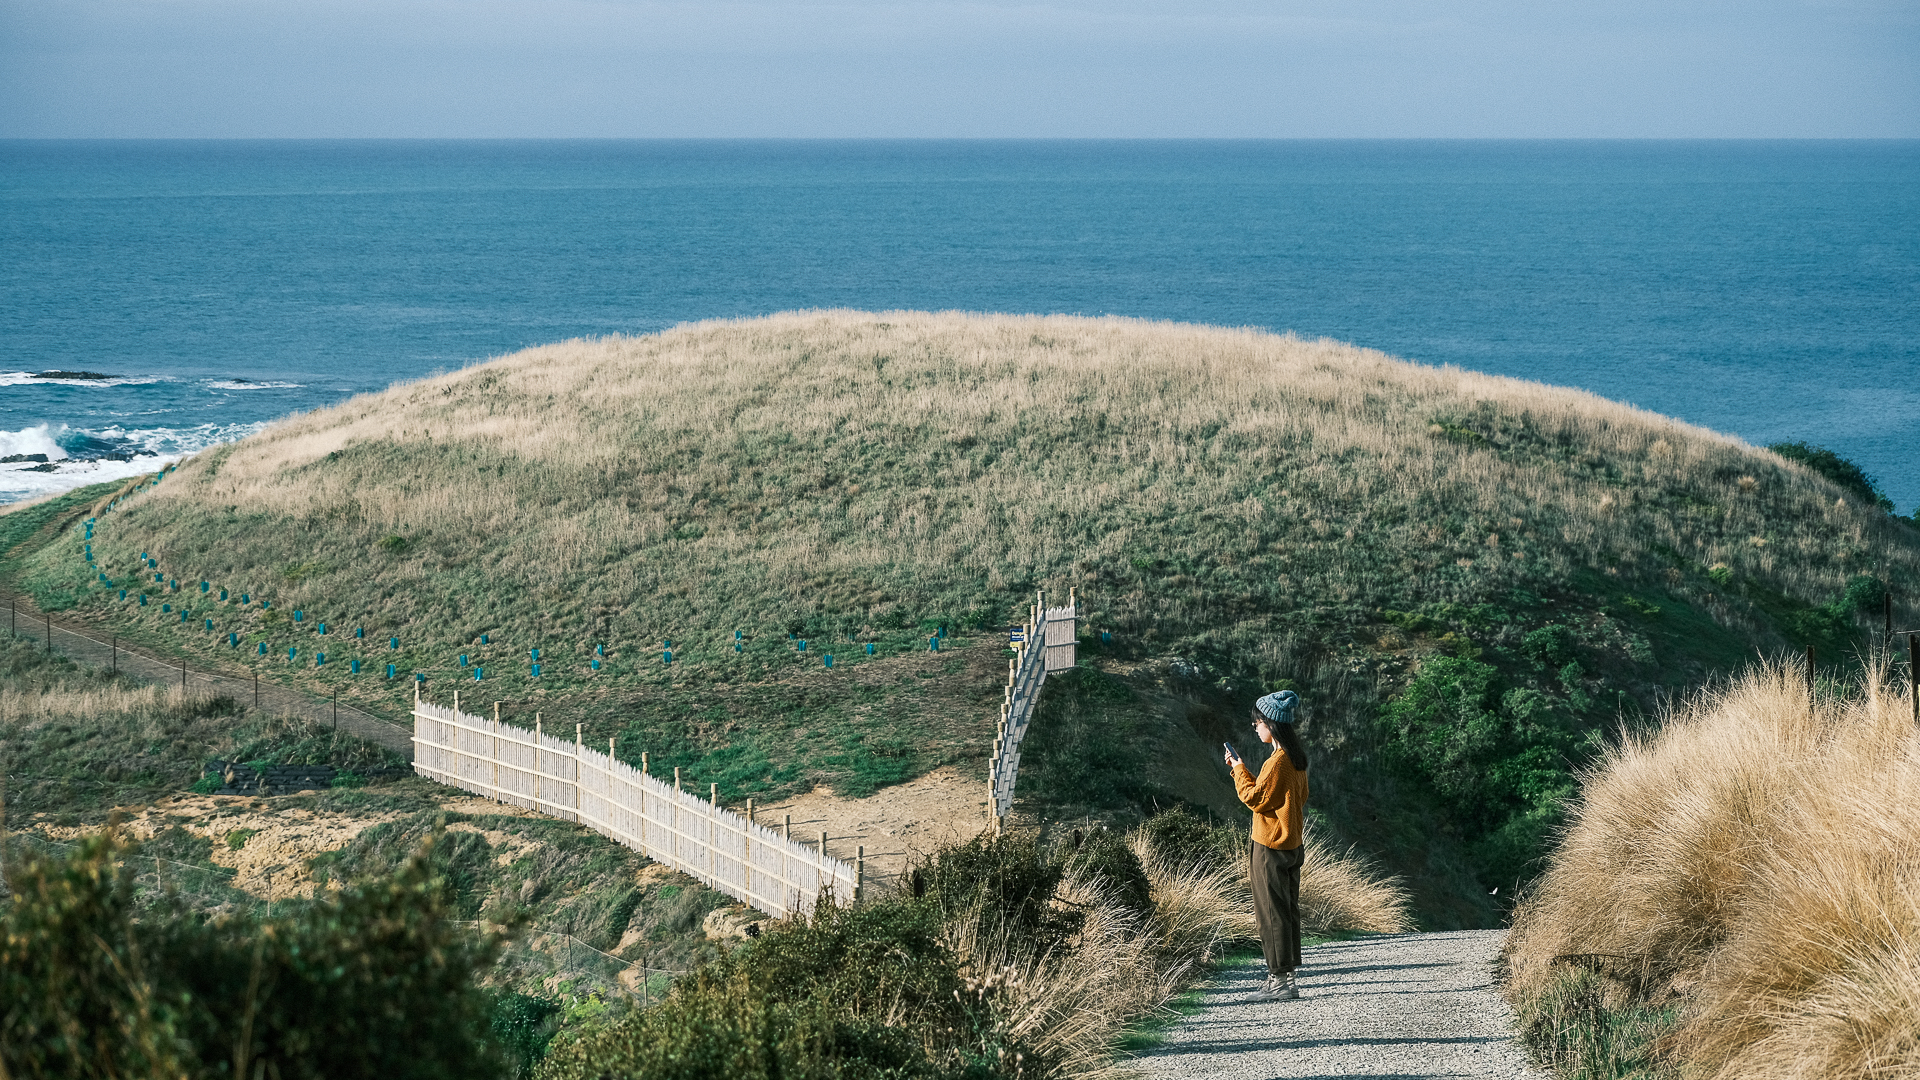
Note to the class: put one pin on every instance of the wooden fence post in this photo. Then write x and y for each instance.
(1913, 673)
(859, 871)
(1812, 687)
(539, 746)
(579, 779)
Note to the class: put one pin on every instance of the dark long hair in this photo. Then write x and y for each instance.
(1289, 740)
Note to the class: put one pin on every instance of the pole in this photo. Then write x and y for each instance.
(116, 656)
(256, 689)
(183, 676)
(1913, 672)
(1811, 690)
(859, 870)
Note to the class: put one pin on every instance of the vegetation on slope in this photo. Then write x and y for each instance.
(1005, 957)
(375, 980)
(1416, 550)
(1735, 896)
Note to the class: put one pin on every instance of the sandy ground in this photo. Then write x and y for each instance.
(894, 825)
(271, 862)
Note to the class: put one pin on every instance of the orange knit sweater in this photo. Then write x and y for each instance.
(1278, 799)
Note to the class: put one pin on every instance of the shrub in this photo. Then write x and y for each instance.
(1104, 856)
(863, 992)
(1842, 472)
(1501, 757)
(1010, 880)
(1180, 838)
(377, 980)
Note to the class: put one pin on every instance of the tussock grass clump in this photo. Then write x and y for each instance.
(1340, 890)
(1750, 866)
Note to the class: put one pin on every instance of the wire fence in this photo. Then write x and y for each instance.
(1047, 643)
(724, 850)
(86, 645)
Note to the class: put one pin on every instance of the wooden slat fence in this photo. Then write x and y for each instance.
(574, 782)
(1048, 643)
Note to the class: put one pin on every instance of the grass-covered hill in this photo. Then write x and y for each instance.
(1469, 578)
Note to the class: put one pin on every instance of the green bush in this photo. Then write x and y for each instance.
(863, 993)
(1181, 837)
(375, 981)
(1010, 880)
(1845, 473)
(523, 1026)
(1500, 757)
(1105, 857)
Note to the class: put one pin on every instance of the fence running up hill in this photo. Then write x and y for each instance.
(1048, 643)
(571, 781)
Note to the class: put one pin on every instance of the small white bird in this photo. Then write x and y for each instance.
(1495, 892)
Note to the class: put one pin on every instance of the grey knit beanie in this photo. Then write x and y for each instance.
(1278, 707)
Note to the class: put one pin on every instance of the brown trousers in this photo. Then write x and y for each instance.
(1276, 904)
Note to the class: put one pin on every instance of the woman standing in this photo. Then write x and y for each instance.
(1278, 799)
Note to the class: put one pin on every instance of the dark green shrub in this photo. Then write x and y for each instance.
(1864, 592)
(1549, 647)
(1842, 472)
(522, 1026)
(375, 981)
(1105, 857)
(1011, 881)
(1499, 757)
(1182, 837)
(863, 993)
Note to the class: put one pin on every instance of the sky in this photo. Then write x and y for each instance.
(923, 68)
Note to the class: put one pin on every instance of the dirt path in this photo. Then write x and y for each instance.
(1400, 1006)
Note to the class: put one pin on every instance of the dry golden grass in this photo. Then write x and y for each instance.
(1075, 1003)
(25, 708)
(1754, 861)
(845, 460)
(1345, 891)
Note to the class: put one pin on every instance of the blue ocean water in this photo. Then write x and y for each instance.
(1767, 289)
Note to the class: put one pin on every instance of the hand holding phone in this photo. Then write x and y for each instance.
(1232, 756)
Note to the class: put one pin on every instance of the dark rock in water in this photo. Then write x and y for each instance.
(88, 376)
(48, 467)
(12, 459)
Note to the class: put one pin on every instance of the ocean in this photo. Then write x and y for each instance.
(1766, 289)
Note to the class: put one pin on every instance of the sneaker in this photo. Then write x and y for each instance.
(1272, 988)
(1285, 988)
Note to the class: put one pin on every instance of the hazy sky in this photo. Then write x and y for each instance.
(1275, 68)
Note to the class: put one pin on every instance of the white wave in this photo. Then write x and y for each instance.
(178, 442)
(248, 384)
(33, 440)
(29, 378)
(150, 447)
(19, 482)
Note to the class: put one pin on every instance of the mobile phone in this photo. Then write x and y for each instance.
(1230, 751)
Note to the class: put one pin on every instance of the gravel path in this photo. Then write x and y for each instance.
(1402, 1006)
